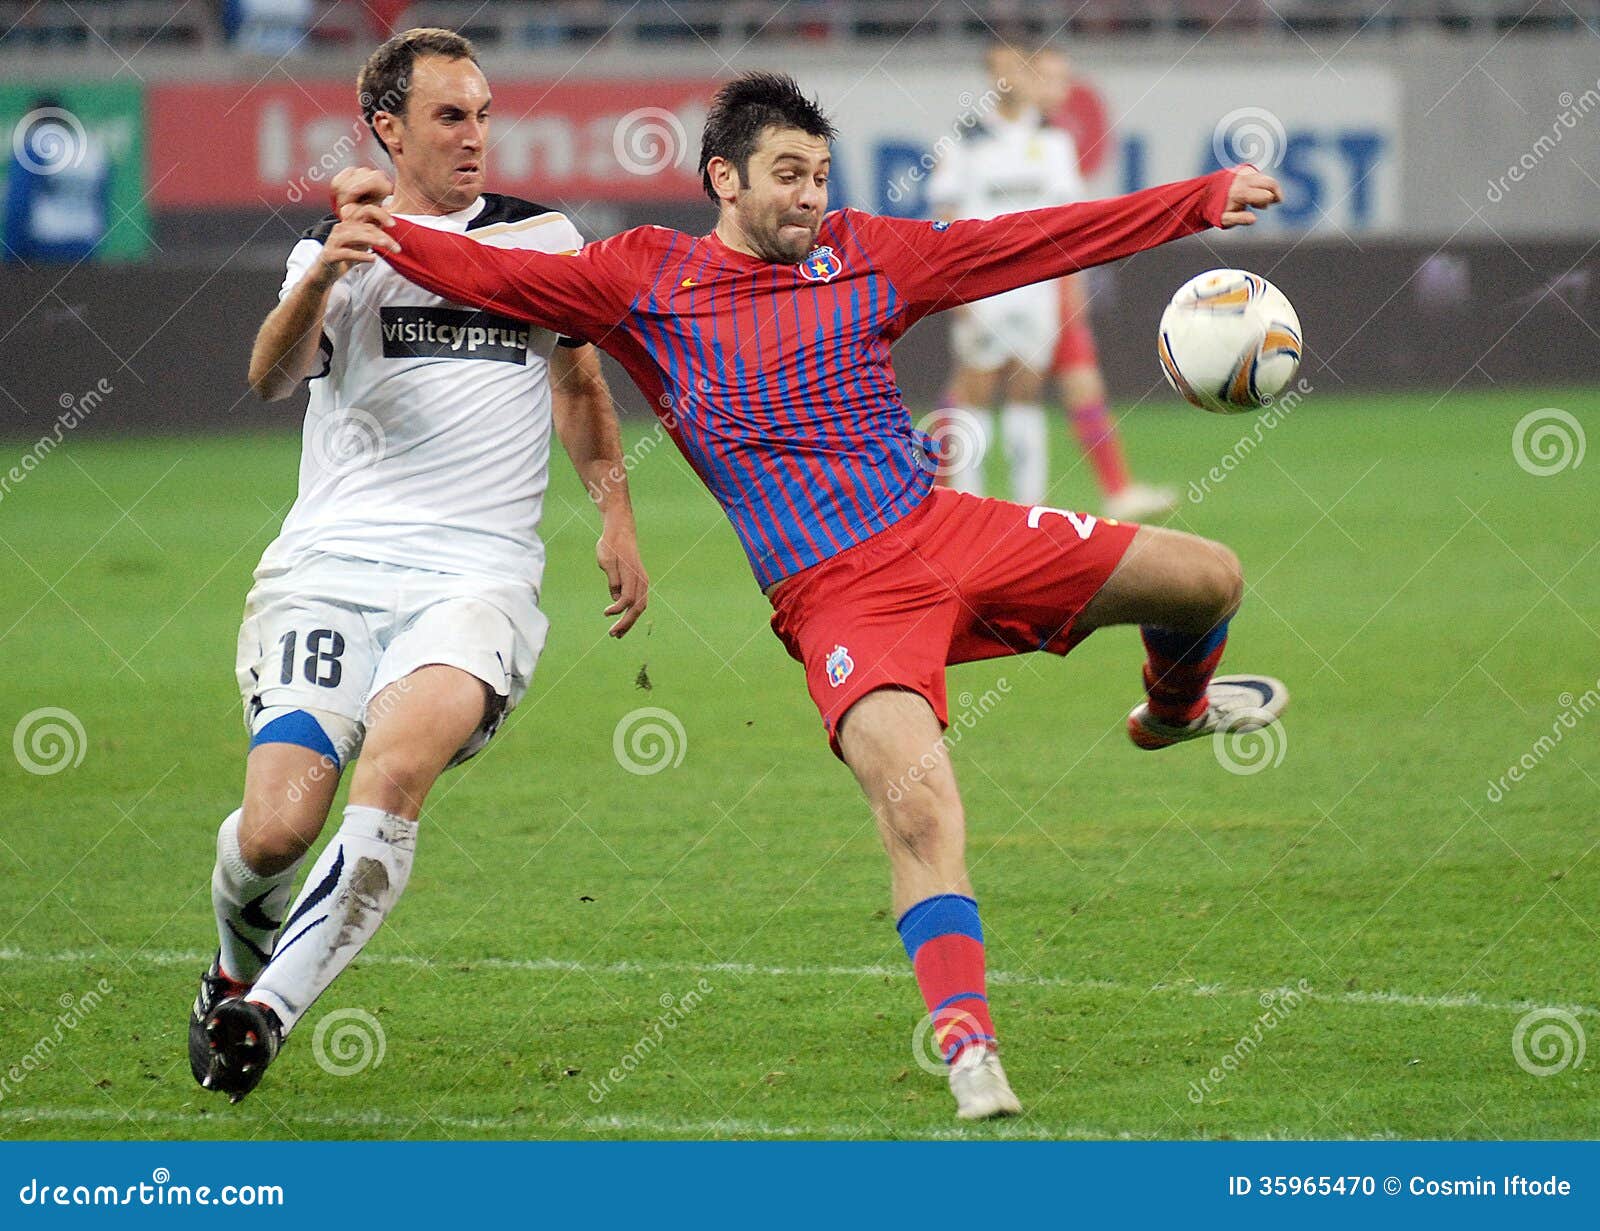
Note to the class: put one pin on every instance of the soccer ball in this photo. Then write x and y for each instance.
(1229, 341)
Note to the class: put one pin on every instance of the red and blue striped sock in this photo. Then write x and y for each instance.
(944, 940)
(1177, 670)
(1097, 438)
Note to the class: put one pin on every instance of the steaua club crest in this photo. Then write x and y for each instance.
(839, 665)
(823, 265)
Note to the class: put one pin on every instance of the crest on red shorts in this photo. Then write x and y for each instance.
(839, 665)
(823, 265)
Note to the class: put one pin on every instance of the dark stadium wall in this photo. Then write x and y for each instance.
(165, 349)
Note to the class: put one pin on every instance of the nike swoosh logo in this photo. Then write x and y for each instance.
(255, 917)
(688, 282)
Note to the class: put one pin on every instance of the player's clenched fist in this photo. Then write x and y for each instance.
(360, 186)
(1251, 189)
(355, 239)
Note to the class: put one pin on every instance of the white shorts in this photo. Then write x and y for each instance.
(1021, 325)
(330, 632)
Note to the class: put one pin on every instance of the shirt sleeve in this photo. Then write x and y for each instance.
(940, 265)
(577, 295)
(302, 258)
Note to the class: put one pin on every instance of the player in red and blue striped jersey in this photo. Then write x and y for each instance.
(764, 345)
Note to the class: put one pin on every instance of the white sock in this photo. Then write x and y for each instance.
(250, 907)
(348, 893)
(968, 436)
(1025, 432)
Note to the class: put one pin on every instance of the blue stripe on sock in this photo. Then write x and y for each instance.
(944, 914)
(1184, 647)
(966, 1040)
(297, 727)
(950, 1000)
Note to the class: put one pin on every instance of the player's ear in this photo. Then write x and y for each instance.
(387, 127)
(724, 178)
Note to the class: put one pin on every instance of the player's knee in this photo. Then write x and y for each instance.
(393, 779)
(272, 839)
(922, 818)
(1224, 581)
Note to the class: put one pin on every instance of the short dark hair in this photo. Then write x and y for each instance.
(746, 107)
(384, 83)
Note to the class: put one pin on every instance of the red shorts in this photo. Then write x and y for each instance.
(960, 579)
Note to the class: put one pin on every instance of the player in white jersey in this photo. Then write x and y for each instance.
(396, 615)
(1011, 160)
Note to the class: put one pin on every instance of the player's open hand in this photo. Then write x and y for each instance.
(359, 186)
(617, 553)
(1251, 189)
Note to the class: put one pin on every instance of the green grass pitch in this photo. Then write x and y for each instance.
(1359, 929)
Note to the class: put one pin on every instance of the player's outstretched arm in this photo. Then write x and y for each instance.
(586, 421)
(974, 259)
(576, 294)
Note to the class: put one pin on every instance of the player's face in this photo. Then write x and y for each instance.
(443, 137)
(780, 211)
(1053, 77)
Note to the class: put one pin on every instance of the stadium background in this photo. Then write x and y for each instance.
(1417, 534)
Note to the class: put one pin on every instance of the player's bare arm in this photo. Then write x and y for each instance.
(285, 350)
(586, 421)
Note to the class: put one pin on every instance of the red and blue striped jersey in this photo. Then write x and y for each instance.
(775, 380)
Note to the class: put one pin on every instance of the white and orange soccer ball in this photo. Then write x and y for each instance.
(1230, 341)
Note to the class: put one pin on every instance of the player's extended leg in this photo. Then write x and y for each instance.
(1025, 434)
(415, 727)
(1182, 590)
(893, 743)
(290, 781)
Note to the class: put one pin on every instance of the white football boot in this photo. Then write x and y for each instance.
(1139, 502)
(1236, 703)
(980, 1086)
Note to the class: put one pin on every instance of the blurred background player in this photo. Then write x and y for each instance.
(397, 613)
(1014, 159)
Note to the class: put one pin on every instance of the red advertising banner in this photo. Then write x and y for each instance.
(624, 140)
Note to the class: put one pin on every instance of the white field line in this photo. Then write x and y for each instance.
(424, 1126)
(546, 965)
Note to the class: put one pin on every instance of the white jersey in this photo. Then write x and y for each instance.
(1001, 166)
(427, 438)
